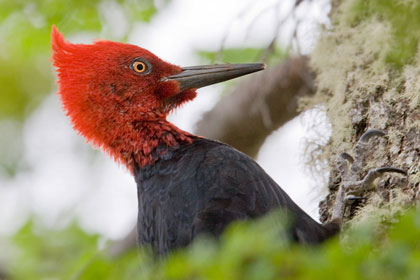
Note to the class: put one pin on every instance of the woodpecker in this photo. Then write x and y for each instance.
(118, 97)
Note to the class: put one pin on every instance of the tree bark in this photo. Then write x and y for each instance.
(362, 88)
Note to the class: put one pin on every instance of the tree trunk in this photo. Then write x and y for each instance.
(367, 67)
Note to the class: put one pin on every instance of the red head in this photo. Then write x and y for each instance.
(118, 95)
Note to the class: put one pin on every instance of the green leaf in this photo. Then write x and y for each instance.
(247, 250)
(240, 55)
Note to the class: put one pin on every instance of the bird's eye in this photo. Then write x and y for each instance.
(140, 66)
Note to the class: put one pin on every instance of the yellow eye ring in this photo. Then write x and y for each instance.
(139, 66)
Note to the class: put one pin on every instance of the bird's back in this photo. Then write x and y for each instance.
(202, 187)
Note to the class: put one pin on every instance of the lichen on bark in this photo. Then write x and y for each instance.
(368, 66)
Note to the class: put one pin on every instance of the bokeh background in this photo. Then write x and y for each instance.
(51, 179)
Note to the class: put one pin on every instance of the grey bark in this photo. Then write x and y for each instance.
(361, 90)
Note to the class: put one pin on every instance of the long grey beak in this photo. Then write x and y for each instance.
(201, 76)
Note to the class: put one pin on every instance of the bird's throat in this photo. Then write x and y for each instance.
(143, 142)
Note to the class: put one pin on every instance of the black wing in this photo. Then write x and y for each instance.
(204, 186)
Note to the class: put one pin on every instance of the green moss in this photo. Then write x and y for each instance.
(404, 19)
(361, 57)
(350, 65)
(368, 76)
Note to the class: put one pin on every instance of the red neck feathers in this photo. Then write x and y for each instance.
(134, 142)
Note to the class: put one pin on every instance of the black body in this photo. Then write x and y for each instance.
(202, 187)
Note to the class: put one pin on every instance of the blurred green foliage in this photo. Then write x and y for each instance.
(403, 17)
(247, 250)
(233, 55)
(241, 55)
(25, 25)
(26, 75)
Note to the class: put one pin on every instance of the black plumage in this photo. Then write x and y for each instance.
(202, 187)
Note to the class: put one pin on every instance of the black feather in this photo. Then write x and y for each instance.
(202, 187)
